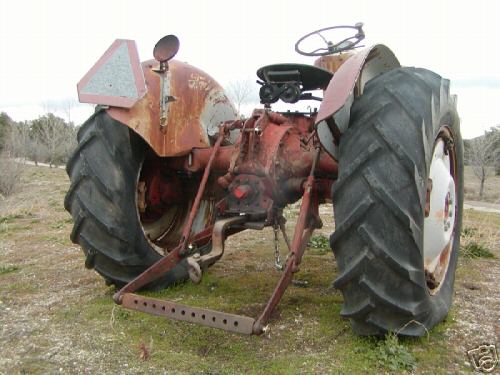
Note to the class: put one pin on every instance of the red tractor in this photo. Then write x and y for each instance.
(165, 171)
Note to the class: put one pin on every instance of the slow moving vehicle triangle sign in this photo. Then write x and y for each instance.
(116, 79)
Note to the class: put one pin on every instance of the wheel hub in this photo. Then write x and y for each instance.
(439, 223)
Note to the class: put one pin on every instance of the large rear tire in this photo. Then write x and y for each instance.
(392, 280)
(102, 199)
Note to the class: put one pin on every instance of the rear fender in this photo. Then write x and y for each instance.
(197, 104)
(348, 83)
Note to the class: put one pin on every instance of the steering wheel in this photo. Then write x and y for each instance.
(331, 48)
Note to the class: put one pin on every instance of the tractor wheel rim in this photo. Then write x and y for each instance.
(164, 233)
(439, 223)
(158, 229)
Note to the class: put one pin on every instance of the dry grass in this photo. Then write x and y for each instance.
(57, 317)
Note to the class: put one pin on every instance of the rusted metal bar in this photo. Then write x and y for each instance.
(303, 245)
(164, 265)
(301, 162)
(172, 310)
(218, 238)
(196, 204)
(305, 213)
(297, 249)
(286, 277)
(152, 273)
(206, 317)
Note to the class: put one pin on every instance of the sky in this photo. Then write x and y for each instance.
(47, 46)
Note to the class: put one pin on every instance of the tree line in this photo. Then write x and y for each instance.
(47, 139)
(50, 139)
(483, 155)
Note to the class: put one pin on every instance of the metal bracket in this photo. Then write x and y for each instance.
(218, 240)
(165, 96)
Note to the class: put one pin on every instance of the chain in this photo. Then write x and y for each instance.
(277, 258)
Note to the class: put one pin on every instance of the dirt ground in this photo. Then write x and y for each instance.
(58, 317)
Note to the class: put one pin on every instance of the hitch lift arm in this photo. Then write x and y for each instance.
(307, 221)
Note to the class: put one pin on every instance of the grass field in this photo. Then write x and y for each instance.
(58, 317)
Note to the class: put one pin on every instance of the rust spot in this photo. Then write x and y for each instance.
(434, 279)
(193, 90)
(443, 258)
(430, 280)
(333, 62)
(440, 214)
(427, 209)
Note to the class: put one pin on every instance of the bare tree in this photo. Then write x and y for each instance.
(12, 142)
(70, 142)
(66, 106)
(20, 142)
(5, 128)
(10, 174)
(482, 153)
(241, 92)
(52, 132)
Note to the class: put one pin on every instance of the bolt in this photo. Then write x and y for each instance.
(118, 298)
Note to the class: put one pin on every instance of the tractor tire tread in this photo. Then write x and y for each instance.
(378, 241)
(101, 198)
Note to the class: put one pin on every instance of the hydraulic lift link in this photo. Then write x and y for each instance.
(300, 239)
(216, 319)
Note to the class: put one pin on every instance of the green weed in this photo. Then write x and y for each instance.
(390, 353)
(7, 269)
(320, 242)
(474, 250)
(9, 218)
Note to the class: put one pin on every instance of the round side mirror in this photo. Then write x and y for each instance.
(166, 48)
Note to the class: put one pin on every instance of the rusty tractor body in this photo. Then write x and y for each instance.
(205, 174)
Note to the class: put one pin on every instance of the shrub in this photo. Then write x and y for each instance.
(10, 174)
(475, 250)
(472, 245)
